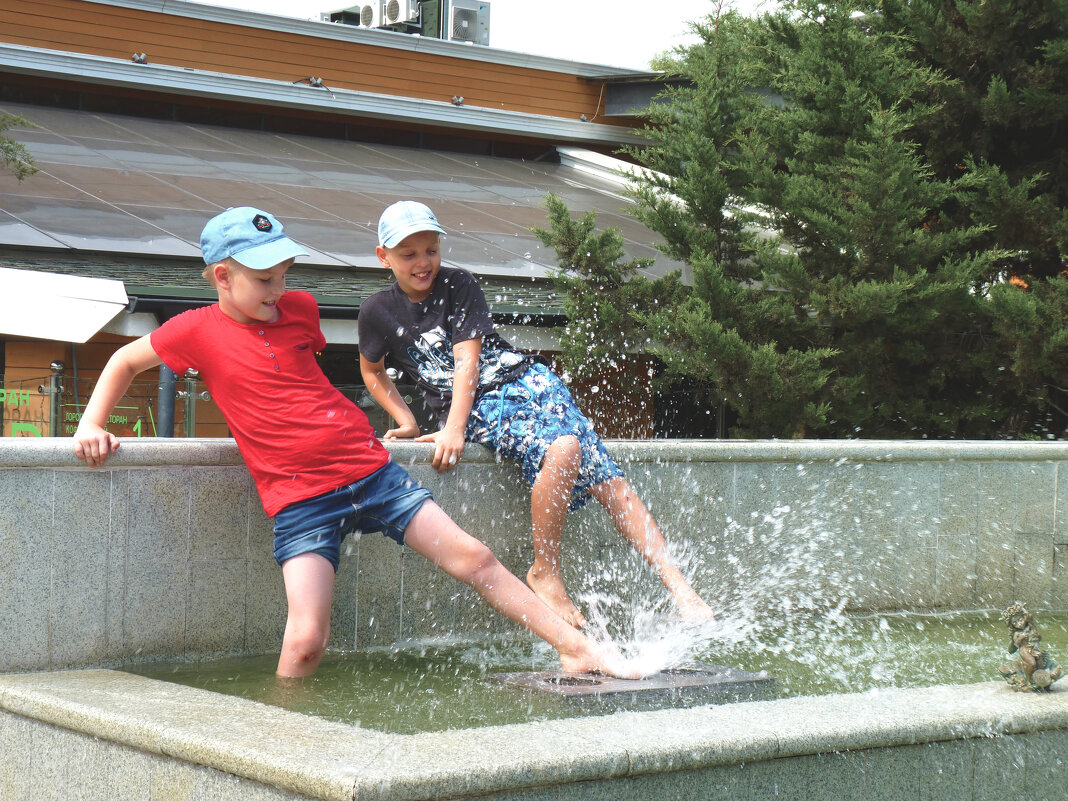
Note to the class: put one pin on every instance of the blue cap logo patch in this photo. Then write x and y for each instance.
(261, 223)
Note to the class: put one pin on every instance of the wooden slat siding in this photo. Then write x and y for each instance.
(276, 113)
(481, 84)
(118, 32)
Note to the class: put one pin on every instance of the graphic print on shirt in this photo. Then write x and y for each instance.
(432, 354)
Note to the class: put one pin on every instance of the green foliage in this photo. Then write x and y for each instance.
(600, 291)
(13, 155)
(860, 134)
(1032, 375)
(1002, 107)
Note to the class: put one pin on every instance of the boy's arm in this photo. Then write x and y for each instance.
(449, 442)
(92, 444)
(382, 389)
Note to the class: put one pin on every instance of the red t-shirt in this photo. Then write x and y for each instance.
(298, 435)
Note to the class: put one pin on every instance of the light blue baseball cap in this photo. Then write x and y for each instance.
(251, 237)
(404, 218)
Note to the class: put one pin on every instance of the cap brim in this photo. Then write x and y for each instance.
(399, 236)
(266, 256)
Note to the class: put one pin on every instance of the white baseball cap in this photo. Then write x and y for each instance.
(404, 218)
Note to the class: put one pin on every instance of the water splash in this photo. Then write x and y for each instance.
(778, 585)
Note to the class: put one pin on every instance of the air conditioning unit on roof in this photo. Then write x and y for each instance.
(371, 15)
(395, 12)
(344, 16)
(469, 21)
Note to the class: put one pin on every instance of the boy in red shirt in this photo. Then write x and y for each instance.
(320, 470)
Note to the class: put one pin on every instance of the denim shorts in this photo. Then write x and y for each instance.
(522, 418)
(385, 501)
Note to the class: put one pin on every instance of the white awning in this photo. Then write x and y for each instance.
(67, 308)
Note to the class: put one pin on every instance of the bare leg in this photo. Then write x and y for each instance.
(433, 534)
(640, 529)
(548, 511)
(309, 582)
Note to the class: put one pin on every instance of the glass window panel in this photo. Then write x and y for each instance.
(123, 186)
(156, 158)
(92, 225)
(350, 206)
(85, 124)
(348, 243)
(221, 193)
(67, 151)
(171, 176)
(17, 232)
(480, 255)
(40, 184)
(511, 216)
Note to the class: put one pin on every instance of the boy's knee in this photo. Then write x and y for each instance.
(478, 559)
(566, 448)
(568, 442)
(307, 645)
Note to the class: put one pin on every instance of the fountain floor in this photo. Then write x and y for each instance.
(678, 687)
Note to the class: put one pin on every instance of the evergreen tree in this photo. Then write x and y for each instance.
(1002, 121)
(1002, 110)
(600, 291)
(878, 306)
(741, 344)
(865, 292)
(873, 251)
(1030, 328)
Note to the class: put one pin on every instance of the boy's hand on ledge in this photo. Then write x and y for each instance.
(93, 445)
(404, 431)
(448, 448)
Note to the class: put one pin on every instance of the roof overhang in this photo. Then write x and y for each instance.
(67, 308)
(181, 81)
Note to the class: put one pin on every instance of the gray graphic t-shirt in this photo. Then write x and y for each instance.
(418, 337)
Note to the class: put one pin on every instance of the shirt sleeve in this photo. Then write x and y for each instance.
(372, 343)
(170, 341)
(305, 305)
(470, 318)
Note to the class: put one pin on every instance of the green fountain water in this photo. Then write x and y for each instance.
(435, 687)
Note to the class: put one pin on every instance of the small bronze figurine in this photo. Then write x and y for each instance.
(1035, 669)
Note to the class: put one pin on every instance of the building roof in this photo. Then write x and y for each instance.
(124, 195)
(126, 185)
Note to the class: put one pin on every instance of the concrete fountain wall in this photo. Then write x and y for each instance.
(166, 552)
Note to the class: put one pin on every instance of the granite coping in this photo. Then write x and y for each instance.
(56, 452)
(334, 761)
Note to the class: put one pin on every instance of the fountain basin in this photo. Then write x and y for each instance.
(165, 554)
(109, 734)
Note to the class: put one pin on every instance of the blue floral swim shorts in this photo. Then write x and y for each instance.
(522, 418)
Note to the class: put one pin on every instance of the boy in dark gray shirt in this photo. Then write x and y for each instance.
(435, 324)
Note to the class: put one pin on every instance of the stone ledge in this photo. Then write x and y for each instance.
(329, 760)
(56, 452)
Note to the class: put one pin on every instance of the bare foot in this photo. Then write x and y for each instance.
(695, 610)
(550, 588)
(593, 658)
